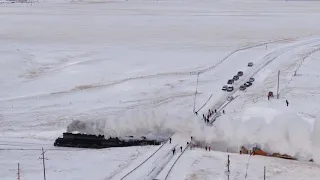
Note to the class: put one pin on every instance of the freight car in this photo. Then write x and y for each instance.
(98, 142)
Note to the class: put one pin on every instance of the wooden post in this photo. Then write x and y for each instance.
(264, 173)
(278, 84)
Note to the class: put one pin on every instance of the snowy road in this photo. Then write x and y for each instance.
(251, 72)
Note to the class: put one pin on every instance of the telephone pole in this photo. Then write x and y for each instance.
(43, 163)
(18, 171)
(228, 164)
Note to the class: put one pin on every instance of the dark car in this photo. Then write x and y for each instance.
(242, 87)
(224, 88)
(250, 64)
(230, 81)
(240, 73)
(230, 88)
(251, 80)
(248, 84)
(235, 77)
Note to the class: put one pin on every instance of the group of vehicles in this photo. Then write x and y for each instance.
(229, 87)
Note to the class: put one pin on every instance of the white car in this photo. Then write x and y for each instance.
(230, 98)
(230, 88)
(251, 80)
(224, 88)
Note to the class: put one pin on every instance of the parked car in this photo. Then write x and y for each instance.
(230, 88)
(230, 98)
(242, 87)
(250, 64)
(224, 88)
(251, 80)
(235, 78)
(248, 84)
(230, 81)
(240, 73)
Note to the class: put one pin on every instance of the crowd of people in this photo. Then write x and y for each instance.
(191, 145)
(207, 117)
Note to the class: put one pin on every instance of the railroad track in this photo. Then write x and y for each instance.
(127, 175)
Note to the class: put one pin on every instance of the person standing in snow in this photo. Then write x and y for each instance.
(181, 148)
(223, 111)
(173, 150)
(206, 148)
(170, 140)
(215, 111)
(287, 102)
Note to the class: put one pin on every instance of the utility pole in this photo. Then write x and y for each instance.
(18, 171)
(228, 164)
(195, 94)
(278, 84)
(264, 173)
(43, 163)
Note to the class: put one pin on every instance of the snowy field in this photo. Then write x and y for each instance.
(125, 67)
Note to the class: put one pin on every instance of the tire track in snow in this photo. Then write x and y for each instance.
(266, 60)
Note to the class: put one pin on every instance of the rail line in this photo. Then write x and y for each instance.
(126, 175)
(176, 161)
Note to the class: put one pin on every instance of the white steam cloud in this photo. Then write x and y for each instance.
(283, 131)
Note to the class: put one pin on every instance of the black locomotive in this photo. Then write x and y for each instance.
(98, 142)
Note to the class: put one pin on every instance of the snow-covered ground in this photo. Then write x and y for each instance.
(125, 67)
(204, 165)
